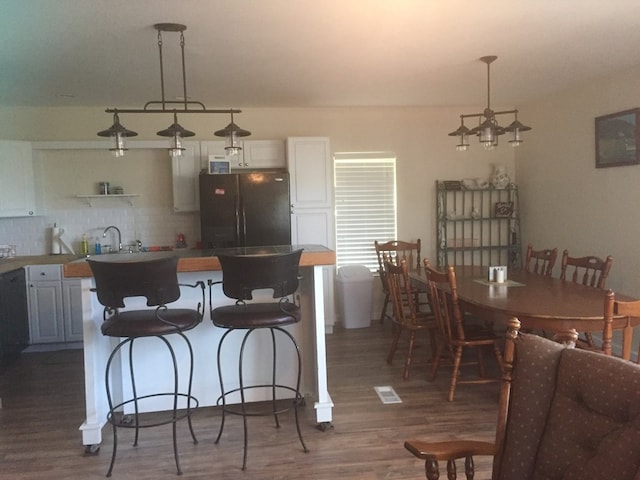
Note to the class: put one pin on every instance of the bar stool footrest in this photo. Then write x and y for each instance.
(233, 409)
(181, 413)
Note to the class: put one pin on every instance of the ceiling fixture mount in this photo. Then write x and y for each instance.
(488, 129)
(175, 131)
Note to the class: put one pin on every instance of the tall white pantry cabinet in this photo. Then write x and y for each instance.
(312, 204)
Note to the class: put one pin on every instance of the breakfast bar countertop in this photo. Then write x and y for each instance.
(14, 263)
(193, 260)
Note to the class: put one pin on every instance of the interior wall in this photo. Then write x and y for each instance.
(565, 201)
(418, 136)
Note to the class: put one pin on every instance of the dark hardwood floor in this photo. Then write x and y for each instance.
(42, 408)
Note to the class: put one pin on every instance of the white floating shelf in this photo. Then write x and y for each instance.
(127, 197)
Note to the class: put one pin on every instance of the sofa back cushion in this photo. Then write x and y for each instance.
(593, 429)
(532, 390)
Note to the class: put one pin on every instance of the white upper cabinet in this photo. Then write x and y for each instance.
(311, 171)
(263, 154)
(255, 154)
(185, 170)
(17, 186)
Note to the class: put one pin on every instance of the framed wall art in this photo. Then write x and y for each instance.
(617, 139)
(503, 209)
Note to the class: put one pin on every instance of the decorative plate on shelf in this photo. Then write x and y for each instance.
(503, 209)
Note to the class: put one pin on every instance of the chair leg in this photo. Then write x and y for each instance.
(222, 399)
(298, 400)
(436, 360)
(394, 344)
(457, 359)
(409, 357)
(482, 371)
(384, 308)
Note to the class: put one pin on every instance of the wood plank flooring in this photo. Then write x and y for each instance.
(42, 408)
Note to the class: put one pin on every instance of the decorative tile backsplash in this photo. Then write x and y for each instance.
(152, 226)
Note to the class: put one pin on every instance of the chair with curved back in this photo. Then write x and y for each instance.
(405, 312)
(396, 250)
(453, 334)
(630, 312)
(540, 261)
(242, 275)
(590, 271)
(556, 419)
(157, 281)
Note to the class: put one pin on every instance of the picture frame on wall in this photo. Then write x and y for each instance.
(503, 209)
(617, 137)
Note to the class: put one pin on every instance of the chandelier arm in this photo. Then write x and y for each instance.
(178, 110)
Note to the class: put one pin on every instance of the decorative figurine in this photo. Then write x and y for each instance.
(499, 178)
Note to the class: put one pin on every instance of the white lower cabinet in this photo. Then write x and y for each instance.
(55, 305)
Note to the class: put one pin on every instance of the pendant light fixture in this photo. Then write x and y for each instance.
(175, 131)
(232, 133)
(488, 129)
(117, 133)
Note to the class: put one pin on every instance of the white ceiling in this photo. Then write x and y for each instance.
(300, 53)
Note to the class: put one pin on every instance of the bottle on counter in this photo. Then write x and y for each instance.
(84, 246)
(97, 248)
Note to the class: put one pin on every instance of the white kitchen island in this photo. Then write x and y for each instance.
(193, 266)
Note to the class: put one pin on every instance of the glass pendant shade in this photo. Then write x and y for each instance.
(515, 128)
(232, 134)
(462, 133)
(117, 133)
(177, 133)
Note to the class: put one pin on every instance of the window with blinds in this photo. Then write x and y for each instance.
(365, 202)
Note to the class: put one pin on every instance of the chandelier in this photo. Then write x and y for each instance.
(488, 129)
(117, 133)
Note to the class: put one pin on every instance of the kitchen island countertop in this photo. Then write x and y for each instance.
(193, 260)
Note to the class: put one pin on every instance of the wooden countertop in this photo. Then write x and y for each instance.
(14, 263)
(206, 260)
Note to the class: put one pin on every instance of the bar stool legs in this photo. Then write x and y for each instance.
(126, 421)
(274, 410)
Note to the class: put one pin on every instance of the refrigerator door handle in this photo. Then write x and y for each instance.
(239, 238)
(244, 226)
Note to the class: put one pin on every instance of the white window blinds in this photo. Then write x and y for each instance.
(365, 194)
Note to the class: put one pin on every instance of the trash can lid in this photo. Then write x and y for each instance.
(354, 272)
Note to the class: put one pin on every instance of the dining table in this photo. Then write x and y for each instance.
(539, 302)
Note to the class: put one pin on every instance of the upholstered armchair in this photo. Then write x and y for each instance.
(564, 413)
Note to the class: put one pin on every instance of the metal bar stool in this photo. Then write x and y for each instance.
(156, 280)
(241, 276)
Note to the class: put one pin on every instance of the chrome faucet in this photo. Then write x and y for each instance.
(104, 234)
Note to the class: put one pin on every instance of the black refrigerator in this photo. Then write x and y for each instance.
(244, 209)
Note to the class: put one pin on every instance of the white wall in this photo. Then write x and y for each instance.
(417, 135)
(567, 202)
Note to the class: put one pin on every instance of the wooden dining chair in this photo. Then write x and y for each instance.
(591, 271)
(630, 311)
(406, 316)
(453, 334)
(397, 250)
(540, 261)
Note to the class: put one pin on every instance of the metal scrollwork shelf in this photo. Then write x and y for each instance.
(478, 226)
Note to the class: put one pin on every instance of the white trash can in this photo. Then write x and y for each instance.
(355, 295)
